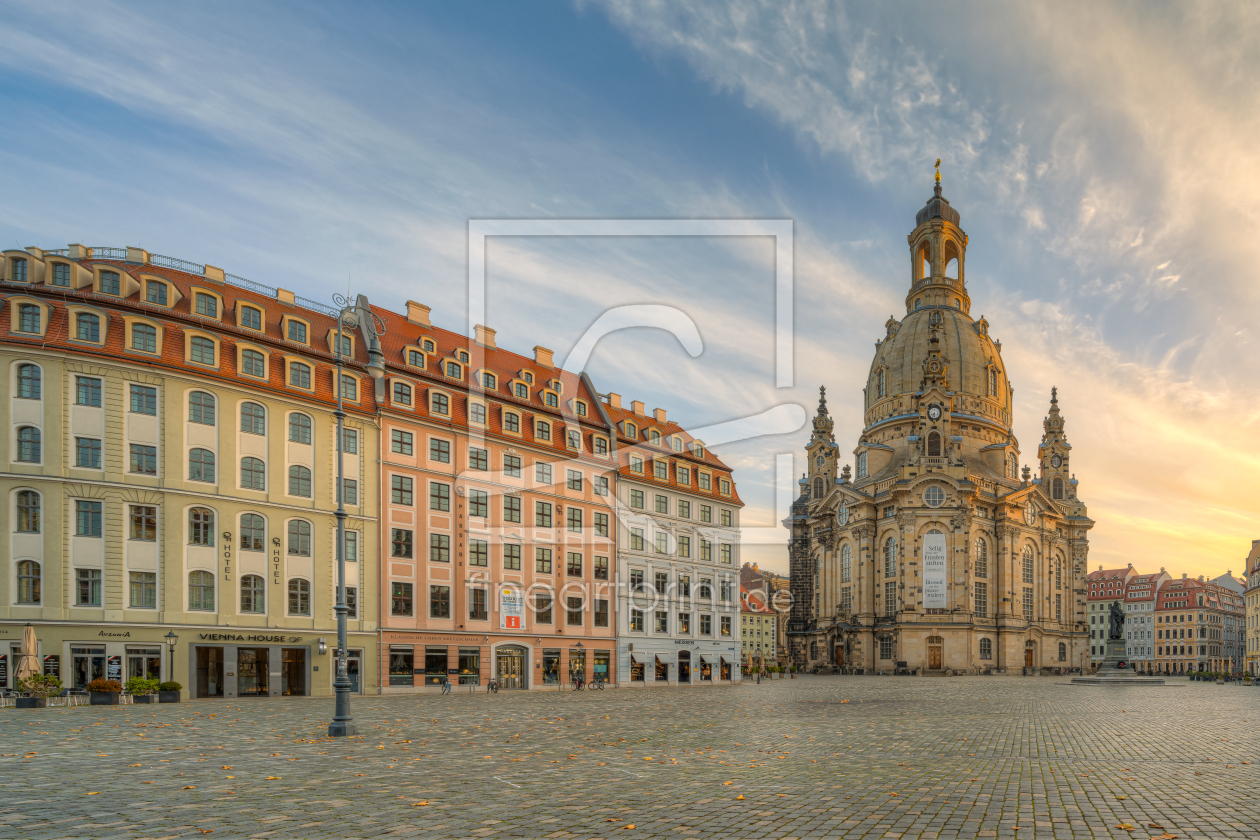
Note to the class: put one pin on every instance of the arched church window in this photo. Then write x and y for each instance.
(1012, 466)
(861, 465)
(992, 382)
(818, 487)
(1028, 564)
(925, 262)
(890, 557)
(846, 563)
(813, 650)
(918, 302)
(957, 303)
(1057, 488)
(1058, 572)
(879, 389)
(982, 558)
(934, 444)
(951, 267)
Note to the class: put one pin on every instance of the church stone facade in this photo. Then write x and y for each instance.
(935, 554)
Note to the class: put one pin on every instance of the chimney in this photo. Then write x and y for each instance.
(637, 407)
(614, 399)
(78, 252)
(484, 335)
(542, 356)
(659, 414)
(418, 313)
(1183, 575)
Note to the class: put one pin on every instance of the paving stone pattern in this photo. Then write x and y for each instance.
(813, 757)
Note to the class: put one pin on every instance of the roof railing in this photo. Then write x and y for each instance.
(176, 263)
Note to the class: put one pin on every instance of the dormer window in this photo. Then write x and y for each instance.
(251, 318)
(698, 450)
(522, 391)
(552, 400)
(110, 283)
(527, 376)
(297, 331)
(574, 439)
(154, 292)
(19, 270)
(879, 384)
(453, 370)
(29, 317)
(557, 385)
(429, 346)
(636, 464)
(60, 274)
(676, 444)
(415, 358)
(462, 355)
(655, 437)
(992, 382)
(542, 430)
(488, 381)
(579, 408)
(347, 345)
(632, 431)
(207, 305)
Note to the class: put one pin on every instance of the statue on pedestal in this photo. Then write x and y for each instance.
(1116, 614)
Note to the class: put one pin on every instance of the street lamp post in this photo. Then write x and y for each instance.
(171, 641)
(342, 724)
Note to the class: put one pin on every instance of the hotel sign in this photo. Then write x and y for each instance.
(934, 566)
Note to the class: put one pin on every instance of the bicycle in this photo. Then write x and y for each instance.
(578, 683)
(492, 686)
(446, 686)
(597, 685)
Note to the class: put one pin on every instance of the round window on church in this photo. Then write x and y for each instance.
(934, 496)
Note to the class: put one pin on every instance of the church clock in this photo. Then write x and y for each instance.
(934, 413)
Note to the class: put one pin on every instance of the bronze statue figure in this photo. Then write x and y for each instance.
(1116, 614)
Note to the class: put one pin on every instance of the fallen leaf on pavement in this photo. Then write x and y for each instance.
(1126, 827)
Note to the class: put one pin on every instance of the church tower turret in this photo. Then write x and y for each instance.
(822, 451)
(938, 256)
(1053, 453)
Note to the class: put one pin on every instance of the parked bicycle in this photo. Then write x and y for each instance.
(492, 686)
(597, 684)
(446, 686)
(578, 683)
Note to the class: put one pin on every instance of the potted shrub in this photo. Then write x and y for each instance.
(168, 692)
(793, 669)
(103, 692)
(142, 690)
(37, 688)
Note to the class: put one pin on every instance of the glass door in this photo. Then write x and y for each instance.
(87, 664)
(251, 672)
(354, 665)
(293, 672)
(209, 672)
(145, 663)
(510, 663)
(684, 666)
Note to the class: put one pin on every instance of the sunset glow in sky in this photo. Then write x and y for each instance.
(1103, 157)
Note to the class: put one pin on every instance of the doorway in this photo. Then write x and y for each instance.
(936, 653)
(510, 667)
(209, 672)
(1028, 655)
(662, 671)
(839, 656)
(145, 663)
(354, 666)
(87, 664)
(684, 667)
(293, 672)
(252, 672)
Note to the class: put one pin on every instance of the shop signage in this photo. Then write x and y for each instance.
(107, 634)
(52, 665)
(934, 563)
(683, 642)
(227, 555)
(4, 669)
(275, 559)
(511, 608)
(252, 637)
(113, 668)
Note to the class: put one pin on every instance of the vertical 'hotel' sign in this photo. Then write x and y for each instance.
(934, 597)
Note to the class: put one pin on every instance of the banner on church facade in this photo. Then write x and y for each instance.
(934, 565)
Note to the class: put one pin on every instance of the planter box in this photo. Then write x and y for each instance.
(103, 698)
(32, 702)
(144, 698)
(168, 696)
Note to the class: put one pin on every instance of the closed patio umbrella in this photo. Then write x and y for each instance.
(28, 661)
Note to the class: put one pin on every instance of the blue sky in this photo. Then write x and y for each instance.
(1102, 157)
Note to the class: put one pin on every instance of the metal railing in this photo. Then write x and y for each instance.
(175, 263)
(103, 253)
(248, 285)
(315, 305)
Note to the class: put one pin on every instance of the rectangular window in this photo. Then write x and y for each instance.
(724, 553)
(706, 624)
(143, 590)
(511, 509)
(401, 442)
(512, 466)
(726, 625)
(636, 580)
(574, 481)
(477, 413)
(478, 459)
(684, 624)
(87, 453)
(87, 588)
(352, 546)
(542, 473)
(886, 648)
(705, 482)
(636, 499)
(87, 391)
(982, 600)
(706, 513)
(725, 487)
(61, 274)
(890, 599)
(349, 388)
(662, 542)
(573, 611)
(636, 539)
(601, 612)
(573, 519)
(297, 332)
(477, 607)
(684, 546)
(660, 470)
(846, 598)
(574, 566)
(601, 485)
(400, 599)
(662, 504)
(440, 451)
(110, 284)
(207, 305)
(143, 400)
(440, 548)
(601, 568)
(726, 518)
(725, 588)
(542, 560)
(87, 519)
(542, 609)
(636, 620)
(542, 514)
(512, 557)
(684, 508)
(478, 503)
(684, 586)
(1028, 604)
(351, 488)
(601, 524)
(511, 422)
(400, 542)
(400, 490)
(143, 459)
(478, 553)
(439, 496)
(661, 581)
(683, 476)
(662, 621)
(706, 550)
(352, 601)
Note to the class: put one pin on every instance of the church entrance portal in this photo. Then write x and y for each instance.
(936, 653)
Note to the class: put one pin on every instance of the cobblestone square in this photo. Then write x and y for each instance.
(807, 758)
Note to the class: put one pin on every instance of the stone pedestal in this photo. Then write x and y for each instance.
(1114, 670)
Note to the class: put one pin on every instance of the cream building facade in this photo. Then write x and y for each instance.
(170, 468)
(935, 554)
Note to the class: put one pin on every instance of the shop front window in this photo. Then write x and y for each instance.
(145, 663)
(551, 667)
(293, 672)
(434, 665)
(87, 664)
(636, 670)
(252, 672)
(469, 666)
(577, 664)
(401, 661)
(603, 659)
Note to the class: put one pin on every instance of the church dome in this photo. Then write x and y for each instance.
(937, 207)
